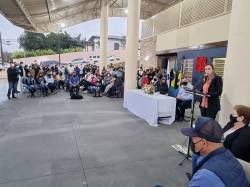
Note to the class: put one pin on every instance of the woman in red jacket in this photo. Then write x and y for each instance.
(145, 80)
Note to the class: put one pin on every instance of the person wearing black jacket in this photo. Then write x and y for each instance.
(237, 133)
(21, 74)
(12, 75)
(212, 87)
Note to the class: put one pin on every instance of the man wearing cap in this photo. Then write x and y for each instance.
(216, 166)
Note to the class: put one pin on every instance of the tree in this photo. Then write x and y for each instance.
(54, 41)
(30, 40)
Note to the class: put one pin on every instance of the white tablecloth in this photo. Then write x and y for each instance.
(150, 107)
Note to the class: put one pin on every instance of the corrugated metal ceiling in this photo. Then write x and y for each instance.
(50, 15)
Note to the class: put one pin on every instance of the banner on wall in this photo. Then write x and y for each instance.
(201, 62)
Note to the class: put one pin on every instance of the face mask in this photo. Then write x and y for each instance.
(233, 119)
(184, 83)
(192, 146)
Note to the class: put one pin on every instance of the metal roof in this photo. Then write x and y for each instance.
(51, 15)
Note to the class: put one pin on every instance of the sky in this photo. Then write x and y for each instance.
(117, 26)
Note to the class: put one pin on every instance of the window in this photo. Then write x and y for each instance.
(187, 68)
(219, 64)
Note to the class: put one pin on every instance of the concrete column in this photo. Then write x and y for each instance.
(104, 34)
(236, 89)
(134, 7)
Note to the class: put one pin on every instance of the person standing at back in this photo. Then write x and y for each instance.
(12, 75)
(212, 87)
(21, 74)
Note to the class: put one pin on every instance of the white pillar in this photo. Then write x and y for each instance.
(236, 89)
(104, 34)
(134, 7)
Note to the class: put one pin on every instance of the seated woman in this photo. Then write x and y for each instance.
(59, 78)
(237, 133)
(30, 84)
(109, 86)
(145, 80)
(163, 87)
(106, 81)
(50, 83)
(40, 83)
(97, 87)
(117, 87)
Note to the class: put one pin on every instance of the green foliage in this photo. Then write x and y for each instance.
(32, 41)
(55, 41)
(32, 53)
(41, 52)
(71, 50)
(38, 44)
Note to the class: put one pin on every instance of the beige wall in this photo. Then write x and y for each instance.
(212, 30)
(148, 54)
(236, 89)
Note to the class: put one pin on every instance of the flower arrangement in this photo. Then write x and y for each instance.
(149, 89)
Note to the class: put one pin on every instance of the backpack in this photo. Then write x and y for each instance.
(74, 96)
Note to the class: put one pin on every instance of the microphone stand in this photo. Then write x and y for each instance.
(187, 156)
(194, 92)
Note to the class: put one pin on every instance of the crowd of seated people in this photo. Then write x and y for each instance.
(109, 82)
(40, 79)
(82, 78)
(48, 79)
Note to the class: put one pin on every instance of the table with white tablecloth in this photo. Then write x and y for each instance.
(152, 108)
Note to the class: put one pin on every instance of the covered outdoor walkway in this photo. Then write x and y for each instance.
(95, 142)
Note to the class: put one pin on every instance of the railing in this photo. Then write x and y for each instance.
(183, 14)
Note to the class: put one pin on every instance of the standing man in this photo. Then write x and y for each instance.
(12, 74)
(21, 75)
(17, 79)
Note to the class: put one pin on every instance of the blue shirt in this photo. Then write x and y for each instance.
(205, 178)
(74, 80)
(184, 95)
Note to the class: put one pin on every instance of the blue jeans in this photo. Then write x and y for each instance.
(15, 86)
(11, 89)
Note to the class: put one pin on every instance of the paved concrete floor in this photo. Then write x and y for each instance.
(94, 142)
(3, 90)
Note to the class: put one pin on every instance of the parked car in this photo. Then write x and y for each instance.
(78, 61)
(4, 66)
(1, 67)
(49, 62)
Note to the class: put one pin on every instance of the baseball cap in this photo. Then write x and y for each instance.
(206, 128)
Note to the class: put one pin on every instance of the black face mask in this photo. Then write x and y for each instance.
(192, 146)
(233, 119)
(184, 83)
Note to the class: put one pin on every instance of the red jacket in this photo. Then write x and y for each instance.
(145, 80)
